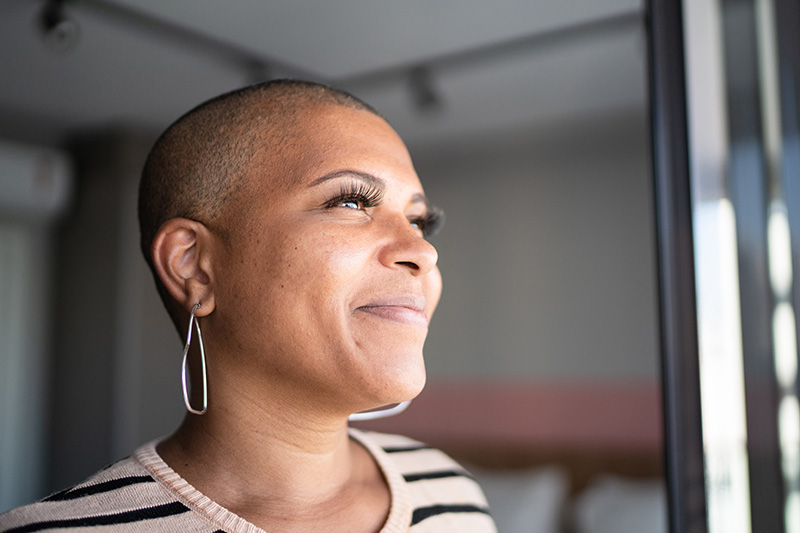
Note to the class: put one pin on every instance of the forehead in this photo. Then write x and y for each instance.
(325, 138)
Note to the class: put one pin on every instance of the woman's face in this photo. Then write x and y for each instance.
(326, 284)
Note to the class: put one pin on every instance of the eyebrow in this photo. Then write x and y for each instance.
(420, 198)
(364, 176)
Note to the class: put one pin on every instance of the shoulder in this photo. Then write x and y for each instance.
(414, 459)
(443, 494)
(123, 493)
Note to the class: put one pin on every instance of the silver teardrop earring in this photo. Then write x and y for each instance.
(189, 407)
(381, 413)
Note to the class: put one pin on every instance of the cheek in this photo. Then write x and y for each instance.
(293, 278)
(318, 269)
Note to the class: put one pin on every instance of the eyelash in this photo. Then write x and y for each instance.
(367, 196)
(430, 223)
(364, 195)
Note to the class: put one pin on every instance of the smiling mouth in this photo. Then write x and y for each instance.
(411, 312)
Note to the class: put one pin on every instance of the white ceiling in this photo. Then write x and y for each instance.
(495, 64)
(337, 39)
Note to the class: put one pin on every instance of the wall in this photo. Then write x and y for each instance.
(547, 254)
(34, 190)
(117, 359)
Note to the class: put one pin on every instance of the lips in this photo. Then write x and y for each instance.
(408, 310)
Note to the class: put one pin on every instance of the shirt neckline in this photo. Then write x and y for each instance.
(399, 508)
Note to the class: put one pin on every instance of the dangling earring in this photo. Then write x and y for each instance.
(202, 360)
(381, 413)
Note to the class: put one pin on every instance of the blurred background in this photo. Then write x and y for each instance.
(528, 123)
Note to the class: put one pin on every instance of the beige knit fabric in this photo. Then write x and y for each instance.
(429, 493)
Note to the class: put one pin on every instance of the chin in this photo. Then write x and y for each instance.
(398, 384)
(411, 390)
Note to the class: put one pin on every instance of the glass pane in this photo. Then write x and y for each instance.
(744, 272)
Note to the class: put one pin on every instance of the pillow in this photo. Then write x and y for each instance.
(617, 505)
(525, 501)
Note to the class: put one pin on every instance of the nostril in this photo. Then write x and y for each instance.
(409, 264)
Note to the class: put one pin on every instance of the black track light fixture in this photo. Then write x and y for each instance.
(423, 92)
(61, 33)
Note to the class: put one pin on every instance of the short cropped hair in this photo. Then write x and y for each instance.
(201, 161)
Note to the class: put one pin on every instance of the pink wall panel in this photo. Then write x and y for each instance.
(613, 416)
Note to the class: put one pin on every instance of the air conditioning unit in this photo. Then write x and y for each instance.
(35, 182)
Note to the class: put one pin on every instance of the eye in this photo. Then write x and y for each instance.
(357, 196)
(351, 204)
(430, 223)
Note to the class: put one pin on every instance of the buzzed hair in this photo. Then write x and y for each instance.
(201, 161)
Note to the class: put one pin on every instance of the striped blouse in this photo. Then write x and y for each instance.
(429, 493)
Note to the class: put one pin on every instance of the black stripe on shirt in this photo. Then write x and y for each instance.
(411, 448)
(422, 513)
(410, 478)
(148, 513)
(106, 486)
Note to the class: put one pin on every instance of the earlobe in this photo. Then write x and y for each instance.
(181, 259)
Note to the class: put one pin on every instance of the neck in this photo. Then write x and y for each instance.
(261, 455)
(280, 466)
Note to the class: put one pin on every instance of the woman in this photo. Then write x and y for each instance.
(287, 220)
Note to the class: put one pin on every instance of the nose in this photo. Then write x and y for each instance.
(407, 249)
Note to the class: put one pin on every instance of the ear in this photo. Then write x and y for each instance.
(181, 256)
